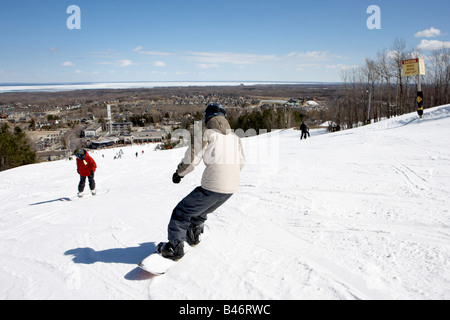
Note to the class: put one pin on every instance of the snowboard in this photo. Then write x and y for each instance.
(157, 265)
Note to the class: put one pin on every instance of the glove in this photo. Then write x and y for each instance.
(176, 178)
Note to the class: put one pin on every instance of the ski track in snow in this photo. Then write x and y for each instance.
(359, 214)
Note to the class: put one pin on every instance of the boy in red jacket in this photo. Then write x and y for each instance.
(86, 167)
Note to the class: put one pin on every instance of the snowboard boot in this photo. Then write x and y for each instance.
(193, 235)
(80, 194)
(168, 251)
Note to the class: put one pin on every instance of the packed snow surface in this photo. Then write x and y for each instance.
(358, 214)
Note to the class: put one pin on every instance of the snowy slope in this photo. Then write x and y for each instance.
(360, 214)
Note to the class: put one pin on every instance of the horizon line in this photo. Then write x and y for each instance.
(74, 86)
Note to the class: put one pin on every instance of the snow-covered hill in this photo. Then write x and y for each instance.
(360, 214)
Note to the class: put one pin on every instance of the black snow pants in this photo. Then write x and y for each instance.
(305, 134)
(82, 184)
(193, 211)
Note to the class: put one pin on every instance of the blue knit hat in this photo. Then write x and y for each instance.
(215, 109)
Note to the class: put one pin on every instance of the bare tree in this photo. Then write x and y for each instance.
(371, 75)
(439, 75)
(397, 57)
(385, 73)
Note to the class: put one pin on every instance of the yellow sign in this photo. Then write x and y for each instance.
(419, 99)
(413, 67)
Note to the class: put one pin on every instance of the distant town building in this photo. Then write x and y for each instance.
(104, 143)
(148, 136)
(120, 128)
(93, 130)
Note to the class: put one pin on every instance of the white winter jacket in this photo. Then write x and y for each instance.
(223, 155)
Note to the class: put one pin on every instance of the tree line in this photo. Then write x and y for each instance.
(380, 84)
(15, 150)
(268, 119)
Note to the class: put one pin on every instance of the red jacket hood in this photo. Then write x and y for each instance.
(86, 166)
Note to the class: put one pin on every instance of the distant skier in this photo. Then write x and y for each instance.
(86, 168)
(222, 153)
(305, 131)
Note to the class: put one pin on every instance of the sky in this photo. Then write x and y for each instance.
(41, 41)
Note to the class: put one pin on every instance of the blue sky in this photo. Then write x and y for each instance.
(200, 40)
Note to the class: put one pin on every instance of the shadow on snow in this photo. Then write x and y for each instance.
(131, 255)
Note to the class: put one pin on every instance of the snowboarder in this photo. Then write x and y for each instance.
(222, 153)
(305, 131)
(86, 168)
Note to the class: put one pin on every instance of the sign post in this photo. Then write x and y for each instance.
(416, 67)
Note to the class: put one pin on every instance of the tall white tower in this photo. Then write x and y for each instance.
(109, 119)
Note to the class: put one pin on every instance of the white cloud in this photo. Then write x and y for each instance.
(125, 63)
(314, 56)
(337, 66)
(159, 72)
(118, 63)
(105, 54)
(310, 55)
(392, 54)
(86, 73)
(159, 64)
(140, 50)
(204, 66)
(340, 66)
(429, 45)
(215, 58)
(428, 33)
(67, 64)
(308, 65)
